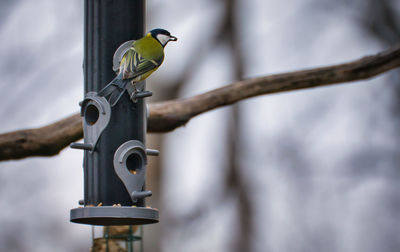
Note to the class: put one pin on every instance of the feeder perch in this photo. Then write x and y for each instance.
(96, 112)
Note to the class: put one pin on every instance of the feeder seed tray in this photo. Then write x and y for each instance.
(109, 215)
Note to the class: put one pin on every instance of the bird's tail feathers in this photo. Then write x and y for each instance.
(115, 89)
(115, 96)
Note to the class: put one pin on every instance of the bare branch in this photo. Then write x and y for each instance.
(166, 116)
(44, 141)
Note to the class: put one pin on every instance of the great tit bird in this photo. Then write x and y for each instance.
(140, 59)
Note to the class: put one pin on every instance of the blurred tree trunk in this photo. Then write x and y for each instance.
(169, 90)
(381, 20)
(235, 181)
(154, 170)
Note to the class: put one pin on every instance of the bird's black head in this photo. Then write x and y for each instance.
(162, 36)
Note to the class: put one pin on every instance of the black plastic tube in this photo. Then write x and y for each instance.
(107, 25)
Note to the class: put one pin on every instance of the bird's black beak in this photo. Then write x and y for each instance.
(172, 38)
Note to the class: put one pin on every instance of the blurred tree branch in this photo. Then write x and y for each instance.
(166, 116)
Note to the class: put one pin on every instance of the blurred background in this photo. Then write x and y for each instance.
(311, 170)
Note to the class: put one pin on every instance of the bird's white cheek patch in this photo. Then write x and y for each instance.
(163, 38)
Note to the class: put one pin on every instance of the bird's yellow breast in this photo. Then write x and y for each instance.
(149, 48)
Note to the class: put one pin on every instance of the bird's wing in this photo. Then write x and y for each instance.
(119, 53)
(134, 65)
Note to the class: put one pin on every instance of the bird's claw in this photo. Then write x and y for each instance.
(133, 93)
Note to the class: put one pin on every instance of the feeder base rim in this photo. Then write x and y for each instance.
(109, 215)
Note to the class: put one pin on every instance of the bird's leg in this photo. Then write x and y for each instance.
(134, 92)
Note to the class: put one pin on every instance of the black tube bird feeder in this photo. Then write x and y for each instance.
(115, 154)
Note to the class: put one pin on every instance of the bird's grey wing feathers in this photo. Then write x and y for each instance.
(135, 65)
